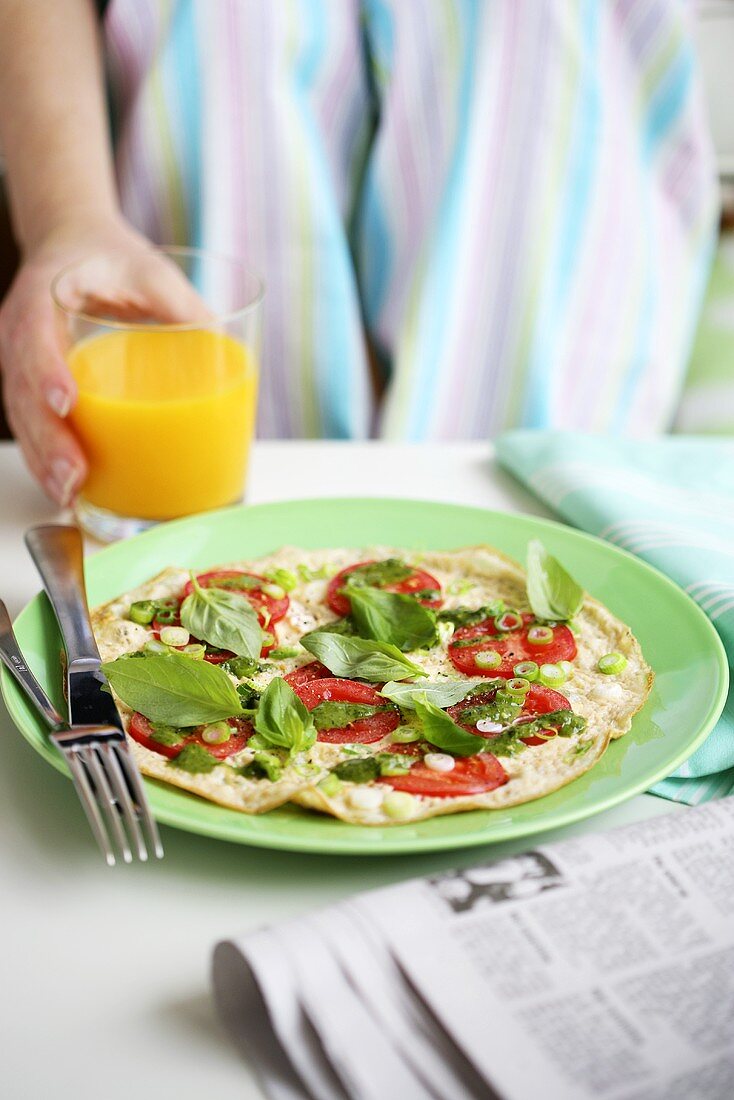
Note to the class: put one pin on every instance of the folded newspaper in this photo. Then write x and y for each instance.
(601, 966)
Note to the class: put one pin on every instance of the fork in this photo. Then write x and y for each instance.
(102, 768)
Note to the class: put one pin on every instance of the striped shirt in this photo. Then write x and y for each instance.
(514, 200)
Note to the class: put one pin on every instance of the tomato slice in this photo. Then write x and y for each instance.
(140, 729)
(543, 700)
(416, 582)
(512, 645)
(411, 748)
(269, 608)
(365, 730)
(539, 700)
(156, 626)
(314, 670)
(470, 775)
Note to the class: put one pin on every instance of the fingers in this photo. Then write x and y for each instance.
(38, 387)
(137, 285)
(134, 282)
(169, 294)
(49, 447)
(30, 349)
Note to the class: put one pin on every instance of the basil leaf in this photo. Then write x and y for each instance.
(173, 690)
(338, 626)
(464, 616)
(223, 618)
(392, 617)
(442, 693)
(282, 720)
(552, 593)
(360, 658)
(443, 732)
(333, 715)
(377, 574)
(248, 694)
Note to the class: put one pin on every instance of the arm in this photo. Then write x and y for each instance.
(53, 127)
(54, 137)
(53, 131)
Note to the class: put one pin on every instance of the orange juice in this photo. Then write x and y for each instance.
(166, 419)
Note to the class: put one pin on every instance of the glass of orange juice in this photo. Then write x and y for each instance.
(165, 357)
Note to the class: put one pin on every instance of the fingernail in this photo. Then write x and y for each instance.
(60, 401)
(62, 480)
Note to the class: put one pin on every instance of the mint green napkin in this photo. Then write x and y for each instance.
(670, 501)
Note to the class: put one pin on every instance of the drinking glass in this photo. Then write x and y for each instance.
(164, 349)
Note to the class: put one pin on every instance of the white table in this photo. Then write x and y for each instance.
(114, 963)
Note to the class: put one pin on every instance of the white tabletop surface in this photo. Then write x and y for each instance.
(104, 985)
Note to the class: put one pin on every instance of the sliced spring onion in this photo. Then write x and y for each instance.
(142, 612)
(445, 632)
(174, 635)
(567, 667)
(486, 725)
(518, 686)
(551, 675)
(365, 798)
(487, 658)
(612, 663)
(394, 763)
(282, 577)
(275, 591)
(540, 635)
(527, 669)
(439, 761)
(267, 639)
(195, 650)
(283, 653)
(509, 620)
(154, 646)
(399, 805)
(331, 785)
(404, 734)
(165, 615)
(217, 733)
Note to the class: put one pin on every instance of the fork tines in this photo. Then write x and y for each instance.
(111, 792)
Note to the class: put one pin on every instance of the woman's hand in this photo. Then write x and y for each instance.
(131, 283)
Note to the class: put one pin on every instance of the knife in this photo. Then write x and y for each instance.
(58, 554)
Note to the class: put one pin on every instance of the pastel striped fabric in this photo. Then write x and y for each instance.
(515, 199)
(671, 502)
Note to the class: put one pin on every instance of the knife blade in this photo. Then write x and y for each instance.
(58, 554)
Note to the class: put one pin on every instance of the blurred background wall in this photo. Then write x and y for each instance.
(716, 48)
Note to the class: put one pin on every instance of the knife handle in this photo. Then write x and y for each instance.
(59, 557)
(14, 661)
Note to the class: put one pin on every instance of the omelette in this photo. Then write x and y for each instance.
(409, 685)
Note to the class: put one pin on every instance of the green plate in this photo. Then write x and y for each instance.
(676, 637)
